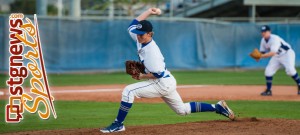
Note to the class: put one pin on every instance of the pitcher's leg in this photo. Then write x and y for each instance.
(176, 104)
(145, 89)
(220, 108)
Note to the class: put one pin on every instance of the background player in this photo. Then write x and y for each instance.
(282, 54)
(159, 82)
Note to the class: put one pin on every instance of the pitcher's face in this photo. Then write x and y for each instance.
(145, 38)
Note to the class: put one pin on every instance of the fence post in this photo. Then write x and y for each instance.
(75, 8)
(252, 12)
(41, 7)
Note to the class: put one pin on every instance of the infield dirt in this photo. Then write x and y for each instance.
(112, 93)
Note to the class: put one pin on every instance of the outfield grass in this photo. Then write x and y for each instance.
(249, 77)
(79, 114)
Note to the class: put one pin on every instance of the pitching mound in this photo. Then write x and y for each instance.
(240, 126)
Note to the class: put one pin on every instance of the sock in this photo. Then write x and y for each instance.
(296, 78)
(202, 107)
(124, 108)
(269, 82)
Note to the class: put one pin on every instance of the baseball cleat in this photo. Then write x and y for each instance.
(266, 93)
(114, 127)
(298, 90)
(223, 109)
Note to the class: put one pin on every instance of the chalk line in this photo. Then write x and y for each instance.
(115, 89)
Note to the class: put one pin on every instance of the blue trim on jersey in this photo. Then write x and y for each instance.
(144, 65)
(166, 76)
(267, 40)
(284, 47)
(145, 44)
(134, 22)
(159, 75)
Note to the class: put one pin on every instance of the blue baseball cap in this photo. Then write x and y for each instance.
(143, 27)
(265, 28)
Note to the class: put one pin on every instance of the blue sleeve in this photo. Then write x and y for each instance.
(159, 75)
(134, 22)
(132, 26)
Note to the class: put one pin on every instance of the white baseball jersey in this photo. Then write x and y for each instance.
(274, 44)
(150, 55)
(165, 84)
(285, 56)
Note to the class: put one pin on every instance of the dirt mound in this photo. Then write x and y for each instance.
(243, 126)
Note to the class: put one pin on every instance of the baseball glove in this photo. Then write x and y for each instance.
(134, 68)
(255, 54)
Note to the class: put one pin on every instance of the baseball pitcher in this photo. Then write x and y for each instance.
(157, 79)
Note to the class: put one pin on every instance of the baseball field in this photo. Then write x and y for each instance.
(88, 101)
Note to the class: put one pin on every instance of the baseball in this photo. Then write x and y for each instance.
(158, 11)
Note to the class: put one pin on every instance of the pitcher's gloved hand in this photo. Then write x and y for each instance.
(134, 68)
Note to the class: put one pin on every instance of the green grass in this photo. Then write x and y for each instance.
(249, 77)
(78, 114)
